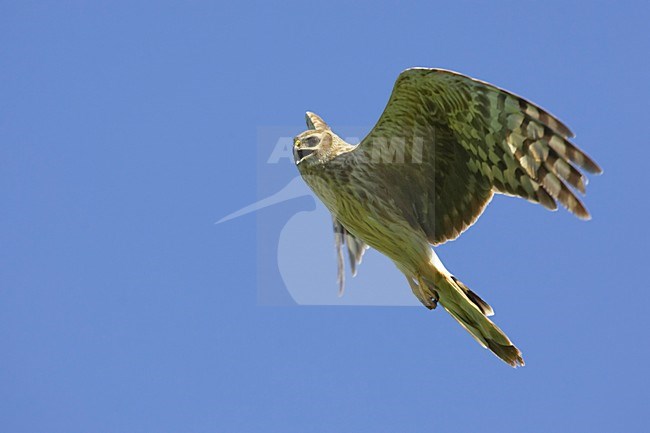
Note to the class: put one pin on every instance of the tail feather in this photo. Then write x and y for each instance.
(476, 299)
(471, 312)
(509, 354)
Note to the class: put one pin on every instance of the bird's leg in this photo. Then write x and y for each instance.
(434, 299)
(432, 295)
(428, 297)
(417, 291)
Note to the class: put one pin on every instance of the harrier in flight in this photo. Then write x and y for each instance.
(444, 145)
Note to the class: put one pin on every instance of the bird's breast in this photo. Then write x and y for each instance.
(370, 211)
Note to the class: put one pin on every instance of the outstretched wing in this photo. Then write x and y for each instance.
(463, 139)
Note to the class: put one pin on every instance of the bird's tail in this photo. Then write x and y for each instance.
(472, 313)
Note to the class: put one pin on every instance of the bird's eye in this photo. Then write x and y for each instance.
(311, 141)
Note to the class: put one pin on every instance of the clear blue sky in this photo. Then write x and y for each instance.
(127, 129)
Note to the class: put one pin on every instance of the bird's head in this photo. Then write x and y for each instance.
(317, 145)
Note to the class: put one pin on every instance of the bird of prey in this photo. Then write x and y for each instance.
(444, 145)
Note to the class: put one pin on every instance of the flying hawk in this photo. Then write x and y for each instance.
(444, 145)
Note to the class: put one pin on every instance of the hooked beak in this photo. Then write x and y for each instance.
(301, 153)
